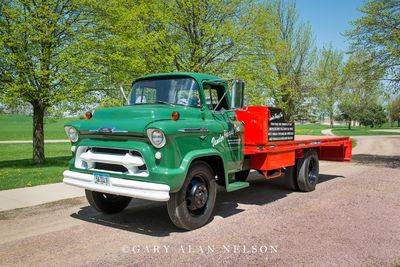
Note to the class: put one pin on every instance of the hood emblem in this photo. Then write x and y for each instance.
(105, 130)
(108, 130)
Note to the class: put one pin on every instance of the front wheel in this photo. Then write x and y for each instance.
(191, 207)
(107, 203)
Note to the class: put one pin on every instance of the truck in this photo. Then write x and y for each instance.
(180, 136)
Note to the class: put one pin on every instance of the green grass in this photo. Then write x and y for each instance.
(310, 129)
(17, 169)
(19, 127)
(315, 129)
(357, 131)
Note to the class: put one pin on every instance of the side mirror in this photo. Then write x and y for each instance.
(237, 94)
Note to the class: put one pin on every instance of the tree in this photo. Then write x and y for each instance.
(373, 115)
(278, 57)
(206, 34)
(378, 31)
(130, 39)
(330, 80)
(34, 40)
(394, 110)
(126, 39)
(362, 89)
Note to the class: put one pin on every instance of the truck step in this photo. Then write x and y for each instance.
(236, 186)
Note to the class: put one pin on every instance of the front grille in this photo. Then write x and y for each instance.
(109, 150)
(110, 167)
(114, 151)
(114, 160)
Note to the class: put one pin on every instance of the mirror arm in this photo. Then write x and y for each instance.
(219, 102)
(123, 93)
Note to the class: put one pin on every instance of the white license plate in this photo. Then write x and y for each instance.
(100, 178)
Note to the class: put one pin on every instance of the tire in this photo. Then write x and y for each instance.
(242, 175)
(288, 179)
(192, 206)
(107, 203)
(308, 171)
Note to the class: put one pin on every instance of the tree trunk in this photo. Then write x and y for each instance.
(331, 119)
(38, 133)
(349, 124)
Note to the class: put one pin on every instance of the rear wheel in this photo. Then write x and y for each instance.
(191, 207)
(107, 203)
(308, 171)
(288, 179)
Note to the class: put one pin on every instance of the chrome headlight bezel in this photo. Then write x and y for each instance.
(157, 137)
(72, 133)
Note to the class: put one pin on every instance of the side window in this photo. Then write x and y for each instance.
(214, 94)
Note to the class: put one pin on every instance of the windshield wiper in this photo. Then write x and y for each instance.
(163, 102)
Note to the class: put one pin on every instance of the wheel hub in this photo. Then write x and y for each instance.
(197, 196)
(312, 172)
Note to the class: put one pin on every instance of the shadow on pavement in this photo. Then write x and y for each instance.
(151, 218)
(377, 160)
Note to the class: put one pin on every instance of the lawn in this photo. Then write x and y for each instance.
(357, 131)
(315, 129)
(310, 129)
(19, 127)
(17, 169)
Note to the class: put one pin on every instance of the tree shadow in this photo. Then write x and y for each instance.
(28, 163)
(377, 160)
(151, 218)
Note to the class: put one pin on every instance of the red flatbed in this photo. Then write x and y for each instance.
(265, 155)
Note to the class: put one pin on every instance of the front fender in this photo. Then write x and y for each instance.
(187, 161)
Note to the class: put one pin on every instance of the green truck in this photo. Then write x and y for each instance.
(179, 136)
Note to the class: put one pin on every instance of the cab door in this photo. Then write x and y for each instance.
(229, 141)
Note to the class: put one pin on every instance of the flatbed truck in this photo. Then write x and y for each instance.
(182, 134)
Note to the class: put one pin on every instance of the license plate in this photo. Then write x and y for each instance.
(100, 178)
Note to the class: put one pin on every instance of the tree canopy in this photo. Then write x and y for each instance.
(79, 53)
(378, 31)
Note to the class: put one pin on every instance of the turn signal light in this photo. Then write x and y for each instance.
(175, 116)
(88, 115)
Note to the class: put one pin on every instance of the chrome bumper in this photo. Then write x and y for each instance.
(117, 186)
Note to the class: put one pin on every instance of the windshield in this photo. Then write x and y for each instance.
(175, 91)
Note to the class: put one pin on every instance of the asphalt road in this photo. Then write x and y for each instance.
(353, 218)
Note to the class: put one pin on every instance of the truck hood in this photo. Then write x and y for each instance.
(128, 119)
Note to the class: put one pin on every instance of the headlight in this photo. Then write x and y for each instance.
(157, 137)
(72, 133)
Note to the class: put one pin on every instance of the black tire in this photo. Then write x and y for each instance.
(192, 206)
(308, 171)
(242, 175)
(107, 203)
(288, 179)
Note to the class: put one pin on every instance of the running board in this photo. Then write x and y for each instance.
(236, 186)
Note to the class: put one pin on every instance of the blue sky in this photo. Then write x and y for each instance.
(329, 19)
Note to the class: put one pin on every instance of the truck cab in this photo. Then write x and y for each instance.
(177, 138)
